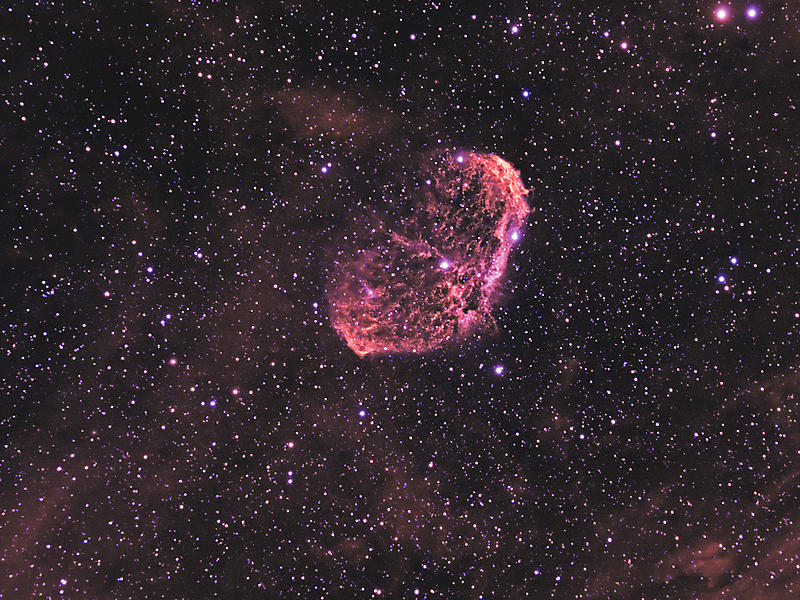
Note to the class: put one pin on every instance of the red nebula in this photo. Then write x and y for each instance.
(416, 282)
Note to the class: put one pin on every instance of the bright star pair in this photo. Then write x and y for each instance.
(724, 13)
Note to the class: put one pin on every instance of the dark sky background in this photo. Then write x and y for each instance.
(178, 418)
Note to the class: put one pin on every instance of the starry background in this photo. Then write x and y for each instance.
(179, 419)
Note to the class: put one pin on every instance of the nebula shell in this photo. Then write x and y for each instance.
(429, 272)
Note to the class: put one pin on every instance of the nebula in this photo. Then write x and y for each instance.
(320, 113)
(428, 270)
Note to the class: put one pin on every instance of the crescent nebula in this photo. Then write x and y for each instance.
(428, 272)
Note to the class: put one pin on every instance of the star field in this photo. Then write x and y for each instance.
(181, 419)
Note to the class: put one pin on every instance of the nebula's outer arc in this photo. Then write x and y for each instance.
(417, 282)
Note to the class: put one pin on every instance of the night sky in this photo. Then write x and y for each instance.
(186, 183)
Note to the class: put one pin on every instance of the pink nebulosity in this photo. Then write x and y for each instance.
(434, 277)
